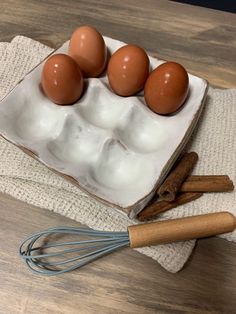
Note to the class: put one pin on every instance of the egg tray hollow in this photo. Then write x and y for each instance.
(113, 148)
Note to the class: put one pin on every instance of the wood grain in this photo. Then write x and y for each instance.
(123, 282)
(204, 42)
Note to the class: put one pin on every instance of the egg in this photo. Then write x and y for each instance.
(128, 70)
(62, 80)
(166, 88)
(88, 49)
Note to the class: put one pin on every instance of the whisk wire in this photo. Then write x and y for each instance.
(71, 259)
(60, 253)
(92, 249)
(36, 267)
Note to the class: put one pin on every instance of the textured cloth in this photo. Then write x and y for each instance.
(28, 180)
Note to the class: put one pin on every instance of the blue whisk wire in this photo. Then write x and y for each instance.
(101, 243)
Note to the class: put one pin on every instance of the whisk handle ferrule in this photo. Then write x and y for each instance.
(181, 229)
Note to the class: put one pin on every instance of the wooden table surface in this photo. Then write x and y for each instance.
(204, 41)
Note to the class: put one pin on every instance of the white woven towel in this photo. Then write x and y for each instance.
(28, 180)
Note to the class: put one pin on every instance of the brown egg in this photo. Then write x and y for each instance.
(88, 49)
(166, 88)
(62, 80)
(128, 70)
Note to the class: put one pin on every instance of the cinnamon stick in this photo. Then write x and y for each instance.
(213, 183)
(173, 182)
(156, 208)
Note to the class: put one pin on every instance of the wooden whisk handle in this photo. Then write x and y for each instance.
(181, 229)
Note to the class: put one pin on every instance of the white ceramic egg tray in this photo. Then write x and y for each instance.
(114, 148)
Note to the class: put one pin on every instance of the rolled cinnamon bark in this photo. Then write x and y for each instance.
(155, 209)
(213, 183)
(173, 182)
